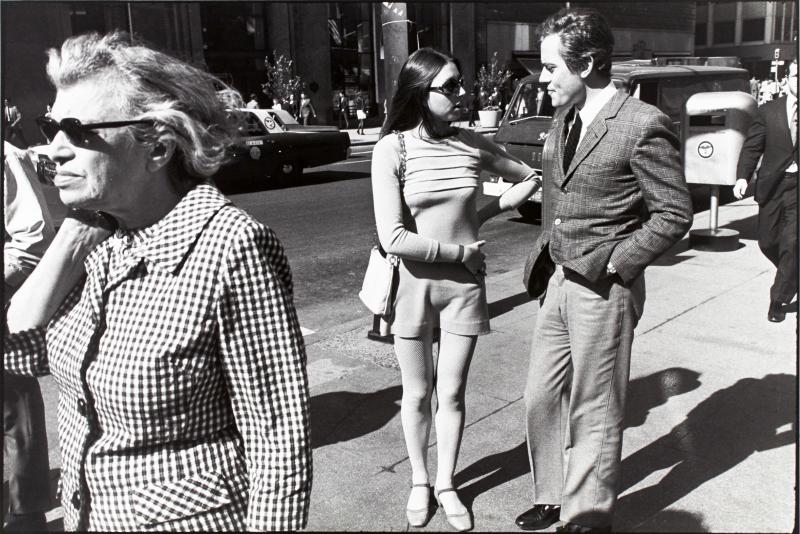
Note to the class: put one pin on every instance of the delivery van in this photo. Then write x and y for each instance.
(526, 122)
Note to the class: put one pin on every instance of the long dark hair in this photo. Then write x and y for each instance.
(409, 105)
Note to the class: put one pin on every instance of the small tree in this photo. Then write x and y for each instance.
(489, 80)
(281, 79)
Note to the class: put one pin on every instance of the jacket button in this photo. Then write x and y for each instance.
(76, 500)
(557, 222)
(82, 407)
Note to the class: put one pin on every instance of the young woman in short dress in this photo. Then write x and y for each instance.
(431, 222)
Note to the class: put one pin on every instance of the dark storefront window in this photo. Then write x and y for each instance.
(753, 30)
(97, 17)
(724, 32)
(352, 58)
(700, 30)
(234, 43)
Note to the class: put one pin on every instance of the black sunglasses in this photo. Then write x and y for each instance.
(451, 87)
(75, 130)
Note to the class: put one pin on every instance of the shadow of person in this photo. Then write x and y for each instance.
(344, 415)
(644, 394)
(655, 389)
(719, 433)
(500, 468)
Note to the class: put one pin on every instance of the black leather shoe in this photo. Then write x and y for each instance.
(776, 313)
(539, 517)
(34, 522)
(574, 527)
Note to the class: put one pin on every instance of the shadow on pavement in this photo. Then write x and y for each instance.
(499, 307)
(338, 416)
(719, 433)
(644, 394)
(747, 227)
(672, 521)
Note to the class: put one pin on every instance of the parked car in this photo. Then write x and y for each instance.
(275, 147)
(526, 123)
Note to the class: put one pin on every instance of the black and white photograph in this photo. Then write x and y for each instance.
(425, 266)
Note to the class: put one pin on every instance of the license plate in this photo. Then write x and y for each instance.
(255, 142)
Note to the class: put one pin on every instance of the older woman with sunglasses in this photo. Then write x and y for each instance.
(183, 397)
(425, 179)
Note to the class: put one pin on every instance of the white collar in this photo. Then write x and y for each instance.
(593, 105)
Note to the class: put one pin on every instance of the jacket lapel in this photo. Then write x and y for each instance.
(597, 129)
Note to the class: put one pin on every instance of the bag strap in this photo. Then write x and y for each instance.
(403, 158)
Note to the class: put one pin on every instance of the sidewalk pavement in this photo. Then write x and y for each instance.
(371, 135)
(710, 431)
(710, 435)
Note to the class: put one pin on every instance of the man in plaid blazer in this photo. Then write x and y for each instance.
(615, 199)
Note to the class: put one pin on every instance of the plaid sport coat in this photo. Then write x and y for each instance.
(183, 396)
(623, 199)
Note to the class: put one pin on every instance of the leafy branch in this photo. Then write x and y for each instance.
(488, 80)
(281, 78)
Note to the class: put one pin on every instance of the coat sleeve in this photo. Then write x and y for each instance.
(753, 146)
(656, 165)
(264, 360)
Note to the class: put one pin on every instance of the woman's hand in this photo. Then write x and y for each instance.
(474, 259)
(84, 230)
(59, 270)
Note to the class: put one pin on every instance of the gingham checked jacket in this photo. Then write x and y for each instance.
(181, 370)
(623, 198)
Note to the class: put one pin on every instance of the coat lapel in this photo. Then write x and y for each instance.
(597, 129)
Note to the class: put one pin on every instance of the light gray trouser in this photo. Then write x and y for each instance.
(575, 394)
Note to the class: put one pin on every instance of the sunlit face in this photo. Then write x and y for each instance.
(565, 88)
(108, 171)
(445, 97)
(791, 79)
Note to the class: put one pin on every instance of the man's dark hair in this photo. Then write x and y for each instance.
(583, 33)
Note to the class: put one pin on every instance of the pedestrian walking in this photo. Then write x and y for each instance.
(474, 106)
(609, 159)
(772, 139)
(425, 181)
(28, 232)
(361, 113)
(252, 103)
(342, 106)
(183, 396)
(12, 119)
(306, 108)
(754, 87)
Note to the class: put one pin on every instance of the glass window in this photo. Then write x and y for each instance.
(530, 100)
(700, 30)
(724, 31)
(753, 29)
(675, 92)
(350, 34)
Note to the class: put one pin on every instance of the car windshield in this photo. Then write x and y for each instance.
(531, 100)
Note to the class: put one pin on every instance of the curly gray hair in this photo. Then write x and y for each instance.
(185, 104)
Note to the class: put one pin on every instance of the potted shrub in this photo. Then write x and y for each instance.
(282, 83)
(489, 84)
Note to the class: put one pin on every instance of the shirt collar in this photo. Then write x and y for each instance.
(165, 243)
(593, 105)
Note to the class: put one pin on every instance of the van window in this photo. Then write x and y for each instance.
(675, 91)
(530, 100)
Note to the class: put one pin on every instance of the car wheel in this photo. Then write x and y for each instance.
(530, 210)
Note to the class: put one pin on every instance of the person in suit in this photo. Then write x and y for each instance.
(773, 135)
(609, 160)
(12, 119)
(181, 368)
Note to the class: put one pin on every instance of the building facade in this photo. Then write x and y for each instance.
(355, 47)
(753, 31)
